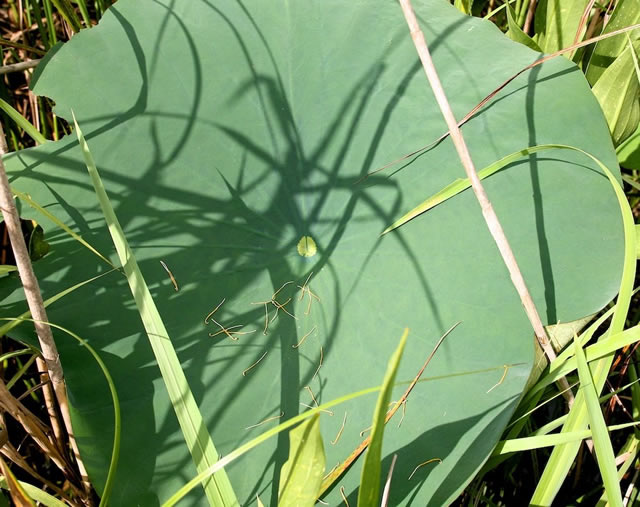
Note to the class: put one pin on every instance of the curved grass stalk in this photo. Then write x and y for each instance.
(563, 455)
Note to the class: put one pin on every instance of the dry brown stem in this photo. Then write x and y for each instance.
(36, 305)
(491, 219)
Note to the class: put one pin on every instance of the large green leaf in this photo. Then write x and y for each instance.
(228, 134)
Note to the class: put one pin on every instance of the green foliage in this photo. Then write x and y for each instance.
(203, 452)
(561, 21)
(601, 441)
(301, 474)
(618, 91)
(464, 6)
(369, 492)
(515, 32)
(626, 13)
(233, 131)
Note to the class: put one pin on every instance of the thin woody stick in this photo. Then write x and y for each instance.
(493, 223)
(36, 305)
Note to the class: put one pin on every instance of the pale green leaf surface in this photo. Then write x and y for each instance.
(301, 474)
(225, 133)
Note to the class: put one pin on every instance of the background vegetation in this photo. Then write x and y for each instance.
(29, 29)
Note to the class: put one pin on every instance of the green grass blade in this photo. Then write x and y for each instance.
(8, 327)
(599, 350)
(369, 492)
(67, 11)
(51, 26)
(553, 440)
(36, 493)
(84, 12)
(563, 457)
(22, 122)
(461, 184)
(516, 34)
(601, 440)
(556, 423)
(301, 475)
(27, 199)
(243, 449)
(630, 448)
(201, 447)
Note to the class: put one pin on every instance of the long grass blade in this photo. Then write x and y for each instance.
(201, 447)
(301, 475)
(553, 440)
(369, 492)
(36, 493)
(67, 11)
(601, 440)
(22, 122)
(27, 199)
(17, 321)
(563, 456)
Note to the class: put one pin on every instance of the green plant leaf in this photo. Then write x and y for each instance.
(516, 34)
(464, 6)
(225, 132)
(22, 122)
(626, 13)
(562, 19)
(540, 441)
(601, 440)
(36, 493)
(629, 151)
(369, 492)
(617, 91)
(301, 475)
